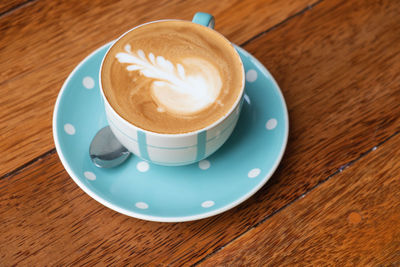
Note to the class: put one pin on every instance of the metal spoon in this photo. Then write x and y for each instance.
(106, 151)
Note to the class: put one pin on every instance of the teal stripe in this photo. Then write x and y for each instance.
(171, 148)
(142, 145)
(201, 145)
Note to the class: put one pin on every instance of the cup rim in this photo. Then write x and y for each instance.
(215, 123)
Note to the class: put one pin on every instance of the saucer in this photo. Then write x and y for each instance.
(173, 194)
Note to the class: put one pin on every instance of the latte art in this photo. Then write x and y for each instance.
(172, 77)
(184, 89)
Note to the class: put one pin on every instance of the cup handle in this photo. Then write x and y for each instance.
(204, 19)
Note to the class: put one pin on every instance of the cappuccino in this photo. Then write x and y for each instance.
(172, 77)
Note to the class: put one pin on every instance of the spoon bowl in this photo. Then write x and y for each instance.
(106, 151)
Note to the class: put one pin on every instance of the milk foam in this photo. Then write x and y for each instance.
(172, 77)
(185, 88)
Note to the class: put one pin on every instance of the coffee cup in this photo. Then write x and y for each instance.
(172, 90)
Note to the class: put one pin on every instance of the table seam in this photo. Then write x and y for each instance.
(12, 9)
(338, 171)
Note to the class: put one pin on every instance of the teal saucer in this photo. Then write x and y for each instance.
(173, 194)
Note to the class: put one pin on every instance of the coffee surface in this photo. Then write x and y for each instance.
(172, 77)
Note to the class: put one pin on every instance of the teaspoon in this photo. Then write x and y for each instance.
(106, 151)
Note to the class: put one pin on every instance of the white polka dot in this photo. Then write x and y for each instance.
(271, 124)
(90, 175)
(251, 75)
(254, 173)
(69, 129)
(88, 82)
(143, 166)
(204, 164)
(160, 109)
(141, 205)
(207, 204)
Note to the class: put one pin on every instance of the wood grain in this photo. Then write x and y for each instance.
(50, 38)
(351, 220)
(9, 5)
(46, 218)
(338, 66)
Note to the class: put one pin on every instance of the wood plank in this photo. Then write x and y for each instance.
(351, 220)
(9, 5)
(334, 118)
(46, 218)
(50, 38)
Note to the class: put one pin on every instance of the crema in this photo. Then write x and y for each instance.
(172, 77)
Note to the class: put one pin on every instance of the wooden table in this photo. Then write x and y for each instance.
(334, 200)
